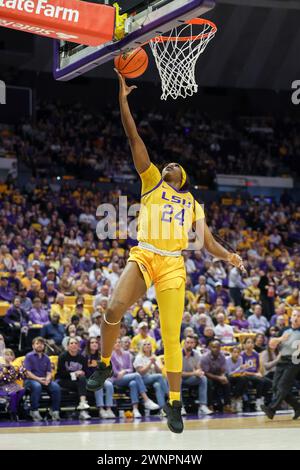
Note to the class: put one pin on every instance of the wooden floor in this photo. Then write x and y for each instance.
(225, 433)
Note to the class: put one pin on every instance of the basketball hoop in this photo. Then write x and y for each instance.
(176, 56)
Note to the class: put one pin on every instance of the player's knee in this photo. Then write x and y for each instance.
(113, 314)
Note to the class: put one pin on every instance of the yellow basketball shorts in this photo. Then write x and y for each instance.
(165, 272)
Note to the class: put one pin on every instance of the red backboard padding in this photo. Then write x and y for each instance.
(72, 20)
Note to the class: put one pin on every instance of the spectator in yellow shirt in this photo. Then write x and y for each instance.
(116, 249)
(293, 299)
(61, 309)
(100, 250)
(27, 280)
(252, 292)
(142, 335)
(6, 260)
(36, 255)
(244, 244)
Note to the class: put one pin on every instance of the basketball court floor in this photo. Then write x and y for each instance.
(250, 432)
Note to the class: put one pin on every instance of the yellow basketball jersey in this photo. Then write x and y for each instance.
(166, 214)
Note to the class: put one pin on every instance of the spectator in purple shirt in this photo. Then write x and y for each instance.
(16, 315)
(50, 276)
(26, 303)
(123, 376)
(46, 265)
(213, 363)
(33, 292)
(54, 332)
(6, 293)
(208, 336)
(251, 361)
(87, 264)
(38, 315)
(44, 299)
(220, 292)
(51, 292)
(201, 322)
(14, 282)
(239, 321)
(39, 377)
(235, 374)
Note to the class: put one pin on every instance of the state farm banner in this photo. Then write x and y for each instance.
(70, 20)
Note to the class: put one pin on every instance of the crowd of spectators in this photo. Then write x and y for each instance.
(75, 141)
(57, 277)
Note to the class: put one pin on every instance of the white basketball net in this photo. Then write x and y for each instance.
(176, 59)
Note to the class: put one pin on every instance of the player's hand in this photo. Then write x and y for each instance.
(125, 90)
(237, 261)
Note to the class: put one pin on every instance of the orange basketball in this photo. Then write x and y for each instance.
(132, 64)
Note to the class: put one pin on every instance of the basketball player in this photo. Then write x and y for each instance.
(157, 260)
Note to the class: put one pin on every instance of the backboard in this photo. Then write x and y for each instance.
(155, 18)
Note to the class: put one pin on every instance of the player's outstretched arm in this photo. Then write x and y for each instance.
(138, 149)
(218, 251)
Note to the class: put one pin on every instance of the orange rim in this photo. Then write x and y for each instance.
(196, 21)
